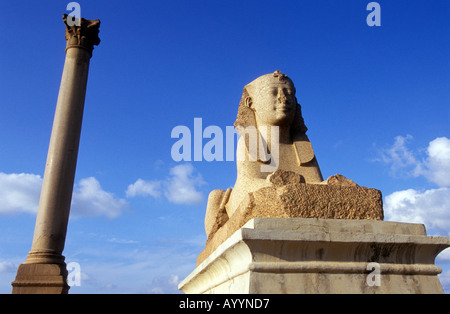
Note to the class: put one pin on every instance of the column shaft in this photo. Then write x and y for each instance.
(44, 271)
(56, 194)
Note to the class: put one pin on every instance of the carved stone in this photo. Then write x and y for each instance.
(41, 279)
(321, 256)
(83, 36)
(296, 188)
(43, 271)
(270, 102)
(289, 231)
(289, 198)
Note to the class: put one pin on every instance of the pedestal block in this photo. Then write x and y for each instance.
(41, 279)
(309, 255)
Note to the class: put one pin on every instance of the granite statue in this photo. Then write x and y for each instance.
(294, 186)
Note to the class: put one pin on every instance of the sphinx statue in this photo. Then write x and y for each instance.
(267, 101)
(283, 229)
(277, 171)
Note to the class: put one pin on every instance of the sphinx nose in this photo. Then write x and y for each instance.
(282, 96)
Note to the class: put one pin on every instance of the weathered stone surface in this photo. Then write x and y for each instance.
(295, 187)
(280, 178)
(269, 106)
(41, 279)
(300, 200)
(215, 219)
(339, 179)
(84, 35)
(333, 256)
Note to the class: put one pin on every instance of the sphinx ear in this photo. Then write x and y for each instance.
(248, 102)
(298, 125)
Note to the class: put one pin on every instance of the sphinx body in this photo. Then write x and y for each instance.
(268, 103)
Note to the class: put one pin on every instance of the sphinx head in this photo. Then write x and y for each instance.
(270, 101)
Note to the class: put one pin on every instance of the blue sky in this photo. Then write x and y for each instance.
(375, 100)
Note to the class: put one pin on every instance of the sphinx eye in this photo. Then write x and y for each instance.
(275, 91)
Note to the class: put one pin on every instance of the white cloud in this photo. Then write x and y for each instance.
(144, 188)
(398, 156)
(435, 167)
(150, 267)
(7, 267)
(122, 241)
(444, 256)
(444, 278)
(90, 200)
(19, 193)
(164, 285)
(181, 187)
(431, 208)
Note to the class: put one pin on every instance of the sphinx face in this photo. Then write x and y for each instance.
(273, 102)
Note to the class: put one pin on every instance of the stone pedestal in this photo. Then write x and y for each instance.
(41, 279)
(309, 255)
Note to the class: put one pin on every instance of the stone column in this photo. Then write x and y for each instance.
(44, 271)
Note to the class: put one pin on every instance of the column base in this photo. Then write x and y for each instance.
(41, 279)
(325, 256)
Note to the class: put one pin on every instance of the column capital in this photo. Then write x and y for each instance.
(83, 34)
